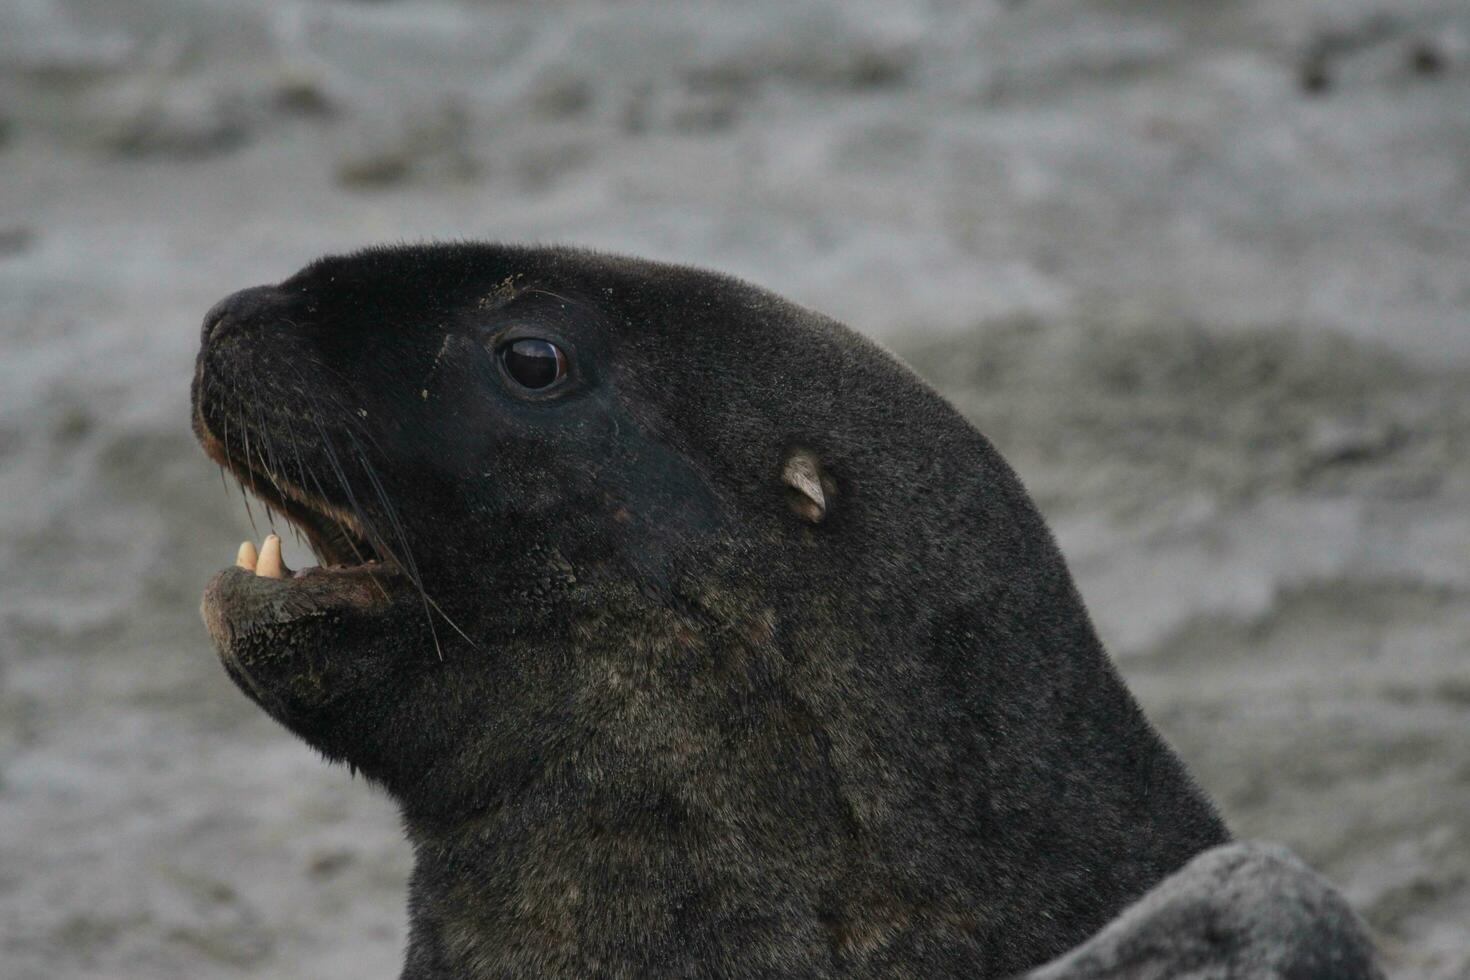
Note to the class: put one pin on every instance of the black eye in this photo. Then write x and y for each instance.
(533, 363)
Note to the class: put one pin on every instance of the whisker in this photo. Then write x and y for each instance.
(408, 562)
(405, 564)
(351, 543)
(248, 512)
(265, 453)
(416, 577)
(329, 448)
(301, 472)
(226, 421)
(296, 452)
(245, 435)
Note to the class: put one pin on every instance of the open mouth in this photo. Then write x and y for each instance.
(335, 535)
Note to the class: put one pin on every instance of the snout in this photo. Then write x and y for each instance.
(241, 310)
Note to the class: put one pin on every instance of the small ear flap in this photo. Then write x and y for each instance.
(809, 490)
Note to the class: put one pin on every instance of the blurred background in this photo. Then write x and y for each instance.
(1201, 270)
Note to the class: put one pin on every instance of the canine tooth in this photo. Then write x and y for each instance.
(270, 564)
(245, 558)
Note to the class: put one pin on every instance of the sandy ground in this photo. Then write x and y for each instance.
(1201, 270)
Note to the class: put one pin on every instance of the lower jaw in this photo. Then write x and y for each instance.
(241, 600)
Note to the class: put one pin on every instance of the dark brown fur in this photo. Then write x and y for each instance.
(686, 732)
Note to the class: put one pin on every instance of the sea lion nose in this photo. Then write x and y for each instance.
(238, 309)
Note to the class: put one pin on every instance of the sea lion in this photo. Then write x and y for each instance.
(693, 634)
(1247, 911)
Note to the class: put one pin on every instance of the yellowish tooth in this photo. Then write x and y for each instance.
(245, 557)
(270, 564)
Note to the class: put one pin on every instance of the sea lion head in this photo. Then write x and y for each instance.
(497, 451)
(650, 537)
(486, 449)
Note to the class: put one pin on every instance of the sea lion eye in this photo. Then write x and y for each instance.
(534, 363)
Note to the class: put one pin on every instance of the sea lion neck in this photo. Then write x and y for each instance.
(803, 782)
(700, 817)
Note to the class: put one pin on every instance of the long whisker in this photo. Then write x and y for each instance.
(406, 562)
(245, 437)
(245, 499)
(351, 542)
(212, 388)
(351, 428)
(301, 472)
(392, 514)
(265, 453)
(335, 463)
(330, 449)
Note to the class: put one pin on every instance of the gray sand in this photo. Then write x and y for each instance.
(1201, 270)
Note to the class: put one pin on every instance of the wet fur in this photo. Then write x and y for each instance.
(689, 733)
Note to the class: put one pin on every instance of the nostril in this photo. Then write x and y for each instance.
(239, 309)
